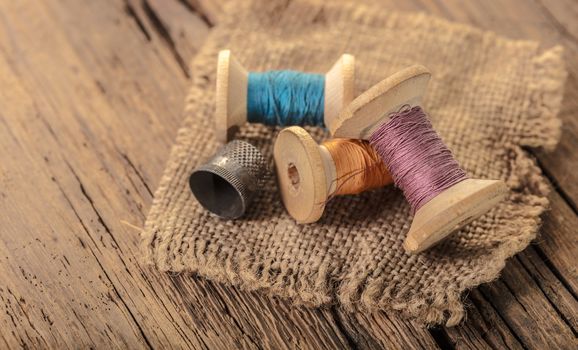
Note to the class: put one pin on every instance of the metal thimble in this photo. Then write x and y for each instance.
(227, 183)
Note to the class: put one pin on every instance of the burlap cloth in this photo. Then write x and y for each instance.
(489, 97)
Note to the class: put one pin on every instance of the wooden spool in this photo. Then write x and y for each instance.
(451, 209)
(231, 99)
(306, 174)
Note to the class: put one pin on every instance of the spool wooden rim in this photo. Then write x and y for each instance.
(370, 109)
(231, 96)
(301, 174)
(452, 209)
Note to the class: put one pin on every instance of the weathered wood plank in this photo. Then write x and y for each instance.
(57, 247)
(89, 122)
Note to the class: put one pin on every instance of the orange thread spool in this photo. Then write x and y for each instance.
(311, 174)
(359, 168)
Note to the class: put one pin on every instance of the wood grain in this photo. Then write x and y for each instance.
(90, 105)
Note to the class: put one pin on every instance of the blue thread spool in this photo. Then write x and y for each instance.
(279, 97)
(285, 98)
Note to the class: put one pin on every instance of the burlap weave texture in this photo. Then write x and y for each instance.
(488, 98)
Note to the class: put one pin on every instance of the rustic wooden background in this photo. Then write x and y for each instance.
(90, 101)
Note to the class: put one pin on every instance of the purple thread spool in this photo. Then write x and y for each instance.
(419, 162)
(441, 196)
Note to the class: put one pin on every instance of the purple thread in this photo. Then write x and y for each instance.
(419, 162)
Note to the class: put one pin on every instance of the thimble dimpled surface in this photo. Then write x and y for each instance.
(226, 184)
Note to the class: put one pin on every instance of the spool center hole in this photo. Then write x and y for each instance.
(293, 175)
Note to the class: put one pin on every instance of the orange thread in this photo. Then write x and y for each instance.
(359, 168)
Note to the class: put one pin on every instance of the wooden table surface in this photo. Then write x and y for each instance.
(90, 102)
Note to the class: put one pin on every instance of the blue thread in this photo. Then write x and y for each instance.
(285, 97)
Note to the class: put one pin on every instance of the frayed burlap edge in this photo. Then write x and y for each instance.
(541, 128)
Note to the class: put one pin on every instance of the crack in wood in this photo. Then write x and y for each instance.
(563, 280)
(111, 283)
(442, 338)
(163, 32)
(82, 244)
(83, 325)
(194, 9)
(18, 302)
(126, 307)
(512, 292)
(180, 287)
(129, 10)
(546, 295)
(137, 172)
(6, 346)
(560, 27)
(238, 325)
(351, 341)
(504, 321)
(134, 319)
(489, 323)
(91, 202)
(170, 315)
(225, 309)
(554, 182)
